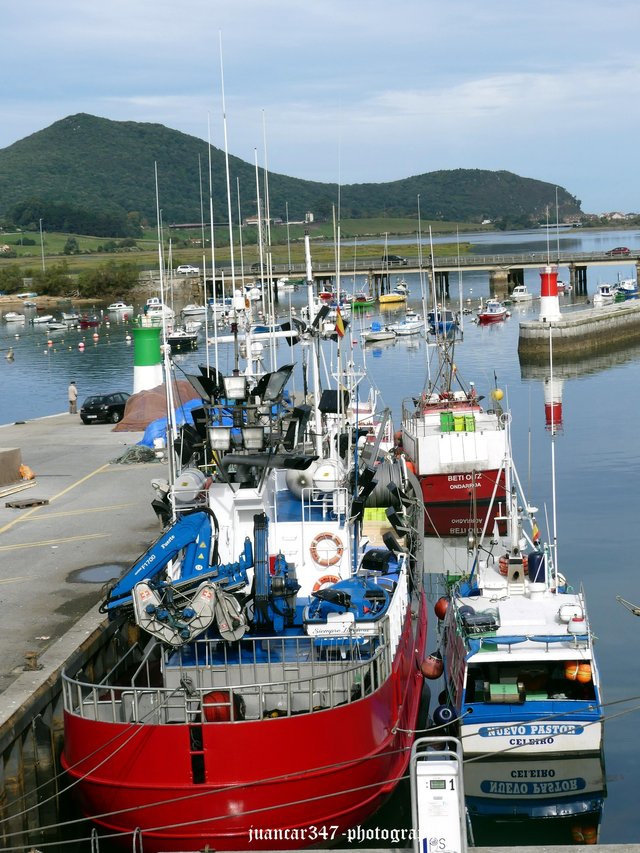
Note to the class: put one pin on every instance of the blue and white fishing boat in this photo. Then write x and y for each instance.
(519, 665)
(442, 321)
(627, 289)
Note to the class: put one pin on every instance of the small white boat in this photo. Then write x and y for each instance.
(492, 312)
(57, 326)
(180, 339)
(521, 293)
(70, 317)
(44, 318)
(407, 326)
(378, 332)
(14, 317)
(193, 310)
(119, 306)
(605, 295)
(155, 309)
(628, 289)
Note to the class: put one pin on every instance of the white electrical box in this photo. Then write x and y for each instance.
(437, 796)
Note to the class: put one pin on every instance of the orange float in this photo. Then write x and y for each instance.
(440, 607)
(584, 673)
(571, 668)
(325, 580)
(432, 666)
(326, 549)
(503, 565)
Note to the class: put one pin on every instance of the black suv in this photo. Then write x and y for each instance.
(394, 260)
(108, 408)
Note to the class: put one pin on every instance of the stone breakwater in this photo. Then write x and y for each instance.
(592, 330)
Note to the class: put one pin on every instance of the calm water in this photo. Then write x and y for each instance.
(596, 455)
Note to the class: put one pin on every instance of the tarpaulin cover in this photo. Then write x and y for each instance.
(158, 428)
(147, 406)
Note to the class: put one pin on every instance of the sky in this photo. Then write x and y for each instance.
(349, 91)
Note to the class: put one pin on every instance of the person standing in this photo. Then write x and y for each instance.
(73, 398)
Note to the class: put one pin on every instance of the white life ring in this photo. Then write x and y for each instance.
(325, 580)
(332, 550)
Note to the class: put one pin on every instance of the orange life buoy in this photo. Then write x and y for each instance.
(503, 565)
(332, 550)
(325, 580)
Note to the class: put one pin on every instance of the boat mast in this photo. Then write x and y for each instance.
(204, 267)
(317, 435)
(213, 255)
(226, 163)
(172, 430)
(554, 544)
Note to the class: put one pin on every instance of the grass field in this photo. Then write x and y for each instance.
(286, 243)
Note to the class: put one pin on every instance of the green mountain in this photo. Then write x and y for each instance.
(88, 164)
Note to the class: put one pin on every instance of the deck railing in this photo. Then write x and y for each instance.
(262, 677)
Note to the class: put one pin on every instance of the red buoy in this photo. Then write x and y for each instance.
(216, 707)
(432, 666)
(441, 606)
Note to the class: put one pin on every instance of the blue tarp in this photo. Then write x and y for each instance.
(158, 428)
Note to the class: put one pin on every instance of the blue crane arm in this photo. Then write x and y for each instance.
(191, 532)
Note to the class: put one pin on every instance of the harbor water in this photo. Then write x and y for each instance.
(594, 451)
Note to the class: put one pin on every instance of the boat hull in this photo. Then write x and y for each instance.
(485, 319)
(555, 728)
(287, 782)
(456, 488)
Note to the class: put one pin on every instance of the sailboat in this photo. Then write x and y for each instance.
(271, 673)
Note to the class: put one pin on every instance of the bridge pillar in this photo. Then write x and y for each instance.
(515, 277)
(442, 284)
(578, 278)
(498, 282)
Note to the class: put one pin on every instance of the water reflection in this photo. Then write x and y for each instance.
(548, 801)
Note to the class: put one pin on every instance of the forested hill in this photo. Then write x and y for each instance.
(85, 164)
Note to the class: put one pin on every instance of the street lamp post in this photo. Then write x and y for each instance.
(42, 247)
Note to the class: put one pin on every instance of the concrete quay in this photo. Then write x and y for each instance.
(589, 331)
(57, 556)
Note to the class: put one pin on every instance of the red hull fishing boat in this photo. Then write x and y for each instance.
(266, 680)
(492, 312)
(455, 446)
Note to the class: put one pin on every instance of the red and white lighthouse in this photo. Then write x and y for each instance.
(549, 304)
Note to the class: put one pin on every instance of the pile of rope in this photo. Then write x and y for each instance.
(136, 453)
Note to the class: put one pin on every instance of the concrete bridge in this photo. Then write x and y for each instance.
(505, 270)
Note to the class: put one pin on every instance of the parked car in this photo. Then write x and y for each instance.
(187, 269)
(619, 250)
(108, 408)
(394, 260)
(255, 267)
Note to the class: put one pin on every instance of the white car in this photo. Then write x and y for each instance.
(187, 269)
